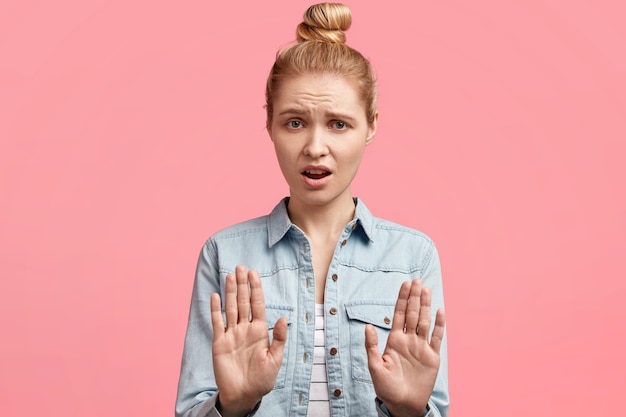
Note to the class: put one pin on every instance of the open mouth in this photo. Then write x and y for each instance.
(315, 174)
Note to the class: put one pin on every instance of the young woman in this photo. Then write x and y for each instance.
(342, 314)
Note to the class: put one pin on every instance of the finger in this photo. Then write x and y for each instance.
(257, 301)
(413, 307)
(216, 316)
(279, 339)
(423, 326)
(231, 301)
(399, 313)
(440, 323)
(243, 293)
(374, 358)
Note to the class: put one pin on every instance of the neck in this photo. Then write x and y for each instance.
(322, 221)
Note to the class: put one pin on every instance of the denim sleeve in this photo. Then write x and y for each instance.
(196, 387)
(431, 276)
(208, 409)
(382, 411)
(197, 390)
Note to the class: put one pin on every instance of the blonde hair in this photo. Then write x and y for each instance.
(321, 49)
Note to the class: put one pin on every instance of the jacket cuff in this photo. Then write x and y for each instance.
(383, 412)
(209, 408)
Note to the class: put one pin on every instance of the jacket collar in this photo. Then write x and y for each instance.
(278, 222)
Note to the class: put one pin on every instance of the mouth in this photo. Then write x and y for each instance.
(315, 174)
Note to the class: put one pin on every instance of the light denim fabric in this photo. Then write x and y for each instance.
(372, 258)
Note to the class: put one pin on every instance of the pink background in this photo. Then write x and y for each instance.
(132, 130)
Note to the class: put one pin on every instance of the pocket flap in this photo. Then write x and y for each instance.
(378, 313)
(274, 312)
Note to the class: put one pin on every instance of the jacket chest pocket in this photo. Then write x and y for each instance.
(361, 313)
(272, 314)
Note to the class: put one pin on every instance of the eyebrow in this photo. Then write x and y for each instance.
(291, 111)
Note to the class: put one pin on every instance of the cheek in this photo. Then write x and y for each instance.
(284, 157)
(355, 155)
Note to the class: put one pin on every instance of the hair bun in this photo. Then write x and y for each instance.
(325, 22)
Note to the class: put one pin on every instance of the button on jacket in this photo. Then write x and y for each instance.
(372, 258)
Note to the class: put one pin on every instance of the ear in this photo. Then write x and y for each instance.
(371, 130)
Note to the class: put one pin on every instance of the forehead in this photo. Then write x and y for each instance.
(318, 91)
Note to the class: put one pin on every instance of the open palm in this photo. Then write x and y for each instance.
(245, 364)
(404, 376)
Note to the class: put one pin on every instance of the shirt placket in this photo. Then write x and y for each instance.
(306, 327)
(333, 311)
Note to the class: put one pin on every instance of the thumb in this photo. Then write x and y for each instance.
(279, 338)
(371, 347)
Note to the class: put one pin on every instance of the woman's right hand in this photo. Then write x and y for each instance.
(245, 364)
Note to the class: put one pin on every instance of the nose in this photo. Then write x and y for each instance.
(316, 144)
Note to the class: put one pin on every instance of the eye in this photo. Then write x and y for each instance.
(339, 125)
(294, 124)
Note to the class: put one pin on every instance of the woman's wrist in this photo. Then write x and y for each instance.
(241, 410)
(403, 411)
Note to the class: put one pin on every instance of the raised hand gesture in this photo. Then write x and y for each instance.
(404, 376)
(245, 364)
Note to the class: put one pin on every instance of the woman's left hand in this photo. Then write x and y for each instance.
(404, 376)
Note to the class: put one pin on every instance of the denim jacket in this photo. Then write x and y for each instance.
(371, 260)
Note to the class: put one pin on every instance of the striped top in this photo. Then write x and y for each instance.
(318, 394)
